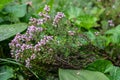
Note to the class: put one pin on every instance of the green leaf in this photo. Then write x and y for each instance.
(115, 73)
(86, 21)
(114, 34)
(17, 10)
(6, 73)
(7, 31)
(81, 75)
(103, 66)
(3, 3)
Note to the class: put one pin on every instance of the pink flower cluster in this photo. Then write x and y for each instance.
(110, 22)
(33, 20)
(42, 42)
(25, 38)
(71, 33)
(47, 8)
(27, 61)
(26, 47)
(44, 16)
(58, 17)
(25, 44)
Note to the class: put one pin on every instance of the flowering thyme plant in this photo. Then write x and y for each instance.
(28, 46)
(32, 47)
(47, 42)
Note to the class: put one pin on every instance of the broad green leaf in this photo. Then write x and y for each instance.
(103, 66)
(7, 31)
(6, 73)
(114, 34)
(115, 73)
(17, 10)
(86, 21)
(3, 3)
(81, 75)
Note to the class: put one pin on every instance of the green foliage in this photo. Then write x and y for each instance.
(82, 37)
(17, 10)
(4, 2)
(82, 19)
(6, 72)
(81, 75)
(85, 15)
(14, 12)
(115, 73)
(111, 11)
(7, 31)
(15, 69)
(97, 39)
(86, 21)
(114, 34)
(103, 66)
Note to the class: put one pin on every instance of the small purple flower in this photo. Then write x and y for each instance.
(37, 47)
(15, 41)
(40, 29)
(32, 29)
(33, 56)
(58, 17)
(42, 42)
(33, 20)
(25, 47)
(17, 55)
(27, 61)
(40, 21)
(47, 8)
(46, 16)
(97, 33)
(41, 14)
(110, 22)
(71, 33)
(12, 54)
